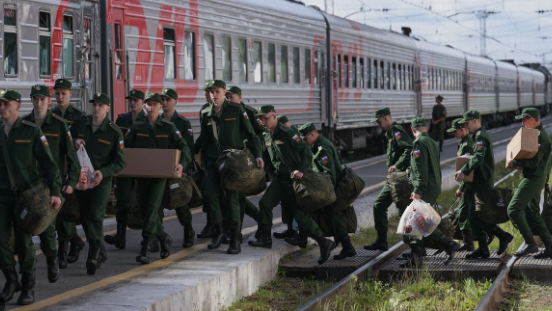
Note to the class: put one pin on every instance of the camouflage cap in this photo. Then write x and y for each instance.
(153, 97)
(136, 94)
(218, 83)
(233, 90)
(264, 109)
(439, 97)
(9, 95)
(471, 114)
(307, 128)
(282, 118)
(208, 85)
(102, 98)
(529, 112)
(40, 90)
(167, 92)
(63, 84)
(380, 113)
(418, 121)
(456, 125)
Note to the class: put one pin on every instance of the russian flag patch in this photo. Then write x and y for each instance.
(480, 144)
(69, 134)
(121, 144)
(417, 153)
(296, 138)
(325, 159)
(44, 140)
(245, 116)
(191, 132)
(128, 132)
(398, 135)
(539, 146)
(178, 133)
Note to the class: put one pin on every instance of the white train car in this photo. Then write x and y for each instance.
(481, 84)
(539, 91)
(507, 86)
(441, 72)
(525, 87)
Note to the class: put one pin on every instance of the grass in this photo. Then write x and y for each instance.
(528, 295)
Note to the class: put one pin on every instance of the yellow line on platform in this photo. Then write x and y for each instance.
(127, 275)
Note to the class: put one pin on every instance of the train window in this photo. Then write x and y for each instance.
(258, 61)
(242, 51)
(393, 76)
(409, 76)
(271, 63)
(209, 56)
(308, 66)
(382, 76)
(44, 45)
(315, 76)
(353, 72)
(388, 75)
(87, 45)
(296, 66)
(369, 73)
(169, 48)
(10, 42)
(118, 53)
(376, 74)
(188, 55)
(284, 60)
(346, 70)
(399, 76)
(361, 64)
(403, 78)
(339, 73)
(68, 44)
(226, 58)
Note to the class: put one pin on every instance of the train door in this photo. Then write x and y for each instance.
(118, 63)
(335, 76)
(89, 74)
(320, 68)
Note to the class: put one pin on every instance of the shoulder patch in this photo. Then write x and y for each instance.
(167, 121)
(285, 128)
(59, 118)
(29, 123)
(114, 127)
(234, 104)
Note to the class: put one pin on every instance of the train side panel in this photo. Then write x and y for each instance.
(481, 84)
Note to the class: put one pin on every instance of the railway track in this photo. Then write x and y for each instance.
(491, 300)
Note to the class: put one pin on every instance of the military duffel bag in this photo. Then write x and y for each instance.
(491, 204)
(197, 174)
(347, 189)
(197, 196)
(313, 191)
(348, 216)
(547, 207)
(239, 172)
(70, 212)
(32, 208)
(401, 188)
(447, 227)
(178, 192)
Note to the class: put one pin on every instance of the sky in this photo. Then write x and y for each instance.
(515, 29)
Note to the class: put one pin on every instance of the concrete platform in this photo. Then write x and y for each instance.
(439, 266)
(534, 269)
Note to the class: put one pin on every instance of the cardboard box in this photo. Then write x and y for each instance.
(150, 163)
(524, 145)
(460, 161)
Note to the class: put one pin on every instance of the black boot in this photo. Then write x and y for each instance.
(530, 246)
(145, 250)
(547, 253)
(53, 269)
(119, 239)
(504, 237)
(482, 251)
(450, 246)
(103, 256)
(63, 247)
(415, 260)
(77, 245)
(288, 233)
(264, 239)
(468, 242)
(165, 241)
(348, 250)
(12, 284)
(207, 232)
(380, 243)
(27, 296)
(235, 243)
(490, 238)
(218, 236)
(189, 238)
(154, 247)
(227, 236)
(326, 247)
(92, 262)
(300, 240)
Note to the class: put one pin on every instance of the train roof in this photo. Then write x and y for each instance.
(284, 8)
(424, 46)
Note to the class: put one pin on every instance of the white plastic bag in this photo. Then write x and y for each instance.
(418, 220)
(87, 171)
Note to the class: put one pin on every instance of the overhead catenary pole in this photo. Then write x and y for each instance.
(483, 15)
